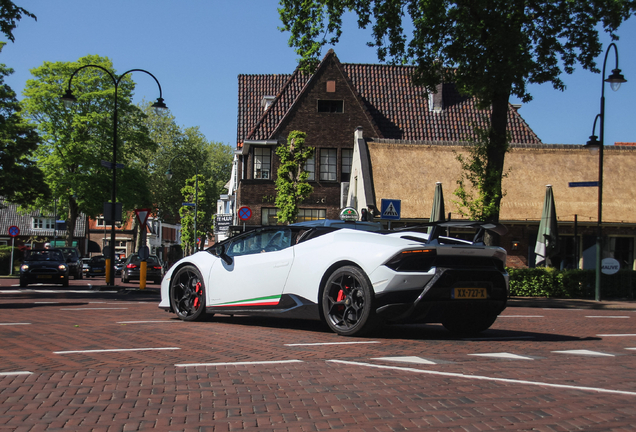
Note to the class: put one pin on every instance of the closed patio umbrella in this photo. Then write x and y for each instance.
(548, 236)
(438, 211)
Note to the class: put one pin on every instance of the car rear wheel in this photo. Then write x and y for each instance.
(469, 323)
(187, 294)
(23, 282)
(347, 302)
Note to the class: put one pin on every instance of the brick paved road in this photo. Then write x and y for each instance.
(245, 373)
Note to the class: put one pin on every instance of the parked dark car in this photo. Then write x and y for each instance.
(73, 260)
(131, 270)
(85, 265)
(119, 265)
(96, 266)
(44, 266)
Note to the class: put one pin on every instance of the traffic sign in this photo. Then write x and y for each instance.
(390, 209)
(187, 204)
(244, 213)
(583, 184)
(144, 253)
(142, 215)
(14, 231)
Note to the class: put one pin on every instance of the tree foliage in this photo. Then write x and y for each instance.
(489, 49)
(472, 199)
(77, 139)
(10, 14)
(21, 180)
(291, 180)
(193, 193)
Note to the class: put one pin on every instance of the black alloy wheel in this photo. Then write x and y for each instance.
(347, 302)
(187, 294)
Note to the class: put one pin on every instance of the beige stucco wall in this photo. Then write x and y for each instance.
(409, 172)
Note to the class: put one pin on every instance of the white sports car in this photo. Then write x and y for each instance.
(353, 279)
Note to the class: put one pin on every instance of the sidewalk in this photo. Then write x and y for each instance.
(543, 302)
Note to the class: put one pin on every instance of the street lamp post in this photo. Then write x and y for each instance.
(69, 99)
(196, 194)
(615, 80)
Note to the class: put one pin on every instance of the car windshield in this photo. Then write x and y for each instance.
(98, 260)
(152, 260)
(44, 255)
(71, 254)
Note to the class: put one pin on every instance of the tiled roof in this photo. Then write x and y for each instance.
(399, 109)
(9, 216)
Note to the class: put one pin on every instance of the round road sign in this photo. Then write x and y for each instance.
(14, 231)
(244, 213)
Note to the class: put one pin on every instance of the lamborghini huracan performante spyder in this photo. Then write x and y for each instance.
(352, 279)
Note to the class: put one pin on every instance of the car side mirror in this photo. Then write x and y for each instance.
(221, 252)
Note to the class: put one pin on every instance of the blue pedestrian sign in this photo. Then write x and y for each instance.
(390, 209)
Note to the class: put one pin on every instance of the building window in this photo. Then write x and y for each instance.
(311, 214)
(310, 167)
(347, 158)
(100, 222)
(328, 164)
(262, 163)
(43, 223)
(622, 249)
(330, 106)
(269, 217)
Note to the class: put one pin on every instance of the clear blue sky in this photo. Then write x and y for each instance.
(197, 48)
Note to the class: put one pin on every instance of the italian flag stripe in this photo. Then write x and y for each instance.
(259, 301)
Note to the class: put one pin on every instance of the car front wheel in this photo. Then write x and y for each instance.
(347, 302)
(187, 294)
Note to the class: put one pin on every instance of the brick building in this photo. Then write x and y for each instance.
(329, 106)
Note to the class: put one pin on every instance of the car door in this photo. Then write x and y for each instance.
(260, 263)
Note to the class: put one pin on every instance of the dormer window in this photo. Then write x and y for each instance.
(330, 106)
(267, 101)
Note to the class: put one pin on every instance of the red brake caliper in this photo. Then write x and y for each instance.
(197, 289)
(341, 296)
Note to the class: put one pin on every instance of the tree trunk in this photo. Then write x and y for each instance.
(73, 211)
(497, 148)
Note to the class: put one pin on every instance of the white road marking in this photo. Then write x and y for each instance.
(96, 308)
(15, 323)
(485, 378)
(617, 335)
(498, 338)
(406, 359)
(332, 343)
(503, 355)
(15, 373)
(607, 316)
(521, 316)
(153, 322)
(630, 348)
(238, 363)
(115, 350)
(585, 352)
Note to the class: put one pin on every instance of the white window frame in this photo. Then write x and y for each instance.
(310, 167)
(262, 163)
(42, 223)
(329, 164)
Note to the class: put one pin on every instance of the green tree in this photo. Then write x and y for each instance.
(193, 193)
(10, 14)
(21, 180)
(489, 49)
(77, 139)
(291, 180)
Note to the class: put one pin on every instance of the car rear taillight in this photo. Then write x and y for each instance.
(131, 266)
(419, 260)
(156, 267)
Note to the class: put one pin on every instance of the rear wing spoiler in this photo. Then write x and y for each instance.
(438, 228)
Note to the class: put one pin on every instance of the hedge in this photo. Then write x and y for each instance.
(5, 257)
(549, 282)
